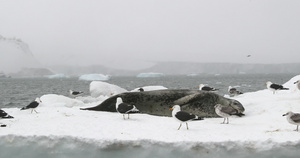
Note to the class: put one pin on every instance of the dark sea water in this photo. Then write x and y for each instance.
(18, 92)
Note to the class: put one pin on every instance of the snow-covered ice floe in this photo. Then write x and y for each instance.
(150, 74)
(94, 77)
(65, 131)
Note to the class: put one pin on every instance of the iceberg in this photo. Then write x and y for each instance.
(99, 88)
(60, 129)
(57, 76)
(94, 77)
(150, 74)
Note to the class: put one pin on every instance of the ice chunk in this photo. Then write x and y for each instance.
(98, 88)
(94, 77)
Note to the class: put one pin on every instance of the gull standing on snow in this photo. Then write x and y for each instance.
(298, 84)
(4, 115)
(226, 112)
(182, 116)
(206, 88)
(33, 105)
(293, 118)
(125, 108)
(233, 91)
(274, 87)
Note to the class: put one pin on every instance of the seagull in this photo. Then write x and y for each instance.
(75, 93)
(206, 88)
(33, 105)
(141, 89)
(293, 118)
(233, 91)
(298, 84)
(125, 108)
(182, 116)
(274, 87)
(4, 115)
(226, 112)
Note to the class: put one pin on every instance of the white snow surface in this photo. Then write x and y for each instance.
(94, 77)
(263, 128)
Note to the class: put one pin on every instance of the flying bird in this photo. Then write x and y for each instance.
(33, 105)
(125, 108)
(182, 116)
(233, 91)
(275, 87)
(293, 118)
(226, 112)
(206, 88)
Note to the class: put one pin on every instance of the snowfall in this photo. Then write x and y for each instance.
(61, 129)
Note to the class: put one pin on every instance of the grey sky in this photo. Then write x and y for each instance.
(107, 32)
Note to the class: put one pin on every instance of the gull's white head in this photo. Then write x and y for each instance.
(38, 100)
(268, 83)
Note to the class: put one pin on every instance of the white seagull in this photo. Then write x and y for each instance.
(125, 108)
(293, 118)
(226, 112)
(206, 88)
(298, 84)
(182, 116)
(33, 105)
(274, 87)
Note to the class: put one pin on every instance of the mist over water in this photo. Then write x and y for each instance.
(18, 92)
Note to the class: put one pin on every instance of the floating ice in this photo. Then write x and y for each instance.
(99, 88)
(150, 74)
(94, 77)
(57, 76)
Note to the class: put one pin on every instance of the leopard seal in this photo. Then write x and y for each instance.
(158, 102)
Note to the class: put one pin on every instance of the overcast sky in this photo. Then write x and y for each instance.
(133, 33)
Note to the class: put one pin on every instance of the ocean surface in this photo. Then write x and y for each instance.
(19, 92)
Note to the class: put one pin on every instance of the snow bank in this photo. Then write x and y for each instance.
(58, 130)
(150, 74)
(53, 100)
(94, 77)
(98, 88)
(149, 88)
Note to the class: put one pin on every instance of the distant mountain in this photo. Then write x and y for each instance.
(16, 57)
(185, 68)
